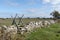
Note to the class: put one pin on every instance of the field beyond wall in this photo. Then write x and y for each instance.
(50, 33)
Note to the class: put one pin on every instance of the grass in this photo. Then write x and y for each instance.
(51, 33)
(8, 22)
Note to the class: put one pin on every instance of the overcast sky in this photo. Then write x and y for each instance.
(30, 8)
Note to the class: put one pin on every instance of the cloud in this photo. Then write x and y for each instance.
(53, 2)
(31, 2)
(56, 7)
(16, 3)
(11, 3)
(46, 1)
(31, 10)
(35, 12)
(21, 2)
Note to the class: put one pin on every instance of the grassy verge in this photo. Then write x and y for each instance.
(51, 33)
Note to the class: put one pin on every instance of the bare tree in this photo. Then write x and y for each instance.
(14, 20)
(20, 20)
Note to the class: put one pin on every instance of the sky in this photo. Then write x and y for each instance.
(30, 8)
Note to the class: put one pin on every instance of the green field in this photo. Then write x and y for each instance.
(51, 33)
(8, 21)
